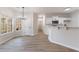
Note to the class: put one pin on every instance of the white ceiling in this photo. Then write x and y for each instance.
(10, 11)
(44, 9)
(41, 9)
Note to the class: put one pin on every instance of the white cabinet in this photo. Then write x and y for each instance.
(62, 20)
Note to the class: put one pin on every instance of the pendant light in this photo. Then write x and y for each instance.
(22, 11)
(23, 16)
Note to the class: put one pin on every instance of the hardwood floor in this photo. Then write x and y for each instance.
(38, 43)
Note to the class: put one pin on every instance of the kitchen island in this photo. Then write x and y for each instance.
(65, 36)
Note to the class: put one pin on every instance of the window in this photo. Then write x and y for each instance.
(9, 25)
(18, 24)
(5, 25)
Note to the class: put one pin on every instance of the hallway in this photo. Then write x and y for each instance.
(38, 43)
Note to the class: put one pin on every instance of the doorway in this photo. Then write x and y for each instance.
(41, 22)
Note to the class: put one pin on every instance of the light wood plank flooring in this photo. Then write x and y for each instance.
(38, 43)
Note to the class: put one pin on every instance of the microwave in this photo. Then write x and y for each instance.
(55, 22)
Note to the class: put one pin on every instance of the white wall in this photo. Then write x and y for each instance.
(35, 23)
(30, 25)
(74, 19)
(27, 25)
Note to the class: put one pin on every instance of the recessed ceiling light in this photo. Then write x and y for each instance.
(67, 9)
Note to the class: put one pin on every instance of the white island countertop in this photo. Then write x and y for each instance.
(66, 37)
